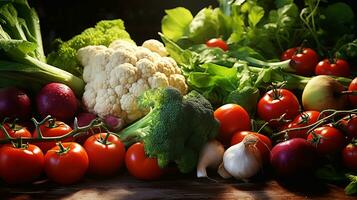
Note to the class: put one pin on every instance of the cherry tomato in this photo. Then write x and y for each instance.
(288, 54)
(15, 131)
(353, 98)
(264, 144)
(68, 165)
(232, 118)
(217, 42)
(302, 60)
(349, 157)
(304, 119)
(20, 165)
(52, 129)
(277, 102)
(105, 156)
(338, 67)
(328, 140)
(141, 166)
(349, 125)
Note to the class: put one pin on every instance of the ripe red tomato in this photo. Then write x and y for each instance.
(58, 128)
(141, 166)
(264, 143)
(302, 60)
(217, 42)
(20, 165)
(303, 119)
(349, 157)
(328, 140)
(105, 157)
(349, 125)
(338, 67)
(277, 102)
(66, 166)
(15, 131)
(232, 118)
(353, 98)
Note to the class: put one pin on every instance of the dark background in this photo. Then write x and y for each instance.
(66, 18)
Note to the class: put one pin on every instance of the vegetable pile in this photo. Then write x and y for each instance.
(244, 90)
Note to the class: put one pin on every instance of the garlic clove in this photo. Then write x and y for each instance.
(223, 172)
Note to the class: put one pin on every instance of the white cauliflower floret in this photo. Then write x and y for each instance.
(158, 80)
(120, 90)
(119, 57)
(128, 102)
(107, 103)
(142, 53)
(124, 45)
(139, 87)
(116, 76)
(89, 96)
(100, 80)
(124, 74)
(146, 67)
(173, 63)
(178, 81)
(165, 67)
(97, 61)
(156, 46)
(85, 55)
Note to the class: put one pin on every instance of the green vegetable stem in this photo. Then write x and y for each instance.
(22, 61)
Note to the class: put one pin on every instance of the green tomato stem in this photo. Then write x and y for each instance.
(320, 122)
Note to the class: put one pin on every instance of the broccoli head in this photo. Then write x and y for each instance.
(104, 33)
(175, 128)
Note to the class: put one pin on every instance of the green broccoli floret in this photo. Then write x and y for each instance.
(175, 129)
(104, 33)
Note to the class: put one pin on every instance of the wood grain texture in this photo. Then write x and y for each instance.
(124, 186)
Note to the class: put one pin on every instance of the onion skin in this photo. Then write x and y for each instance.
(14, 103)
(57, 100)
(293, 158)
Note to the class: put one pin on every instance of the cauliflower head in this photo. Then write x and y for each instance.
(116, 75)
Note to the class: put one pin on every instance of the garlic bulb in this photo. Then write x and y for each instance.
(243, 160)
(211, 156)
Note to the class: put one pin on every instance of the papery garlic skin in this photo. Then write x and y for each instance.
(243, 160)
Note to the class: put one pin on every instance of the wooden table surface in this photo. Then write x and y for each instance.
(124, 186)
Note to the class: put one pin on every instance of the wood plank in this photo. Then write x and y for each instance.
(124, 186)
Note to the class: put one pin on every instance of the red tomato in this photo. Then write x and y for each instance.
(349, 157)
(349, 125)
(217, 42)
(140, 166)
(288, 54)
(304, 119)
(264, 144)
(337, 68)
(353, 98)
(15, 131)
(302, 60)
(232, 118)
(52, 130)
(105, 157)
(68, 166)
(20, 165)
(277, 102)
(328, 140)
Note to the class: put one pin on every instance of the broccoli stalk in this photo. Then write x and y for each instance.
(175, 129)
(22, 60)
